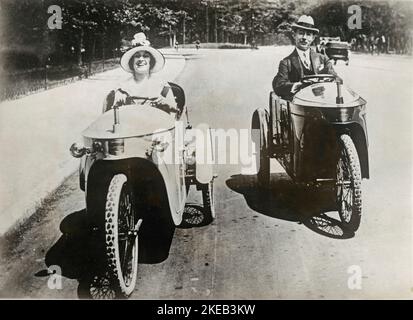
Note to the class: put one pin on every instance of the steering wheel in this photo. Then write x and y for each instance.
(317, 78)
(131, 99)
(152, 102)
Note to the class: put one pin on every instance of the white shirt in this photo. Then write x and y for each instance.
(305, 57)
(150, 88)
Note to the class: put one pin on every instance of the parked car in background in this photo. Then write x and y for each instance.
(338, 50)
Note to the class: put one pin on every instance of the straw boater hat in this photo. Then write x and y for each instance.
(306, 23)
(142, 44)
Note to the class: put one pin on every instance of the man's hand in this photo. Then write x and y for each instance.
(120, 97)
(339, 80)
(296, 87)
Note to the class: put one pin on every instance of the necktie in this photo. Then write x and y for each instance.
(306, 64)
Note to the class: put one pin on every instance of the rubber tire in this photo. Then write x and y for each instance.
(351, 157)
(122, 289)
(260, 121)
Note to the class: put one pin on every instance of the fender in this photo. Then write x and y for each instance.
(204, 154)
(152, 183)
(357, 134)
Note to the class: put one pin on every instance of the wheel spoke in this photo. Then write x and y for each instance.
(131, 219)
(122, 236)
(100, 288)
(124, 259)
(125, 210)
(128, 261)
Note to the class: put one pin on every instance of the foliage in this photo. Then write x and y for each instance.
(95, 29)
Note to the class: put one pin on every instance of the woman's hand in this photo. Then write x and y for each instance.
(163, 104)
(120, 97)
(160, 101)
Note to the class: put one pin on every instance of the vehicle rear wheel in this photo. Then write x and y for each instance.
(260, 122)
(208, 200)
(348, 190)
(121, 233)
(96, 287)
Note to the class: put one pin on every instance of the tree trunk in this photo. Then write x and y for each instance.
(215, 26)
(207, 23)
(171, 42)
(80, 47)
(103, 51)
(93, 54)
(183, 31)
(94, 48)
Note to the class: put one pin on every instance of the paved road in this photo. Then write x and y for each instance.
(255, 249)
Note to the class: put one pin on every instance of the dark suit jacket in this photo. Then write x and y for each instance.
(290, 70)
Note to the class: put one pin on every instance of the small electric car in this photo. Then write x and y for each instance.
(137, 164)
(320, 138)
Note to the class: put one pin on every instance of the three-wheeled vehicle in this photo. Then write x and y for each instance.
(320, 138)
(338, 50)
(137, 164)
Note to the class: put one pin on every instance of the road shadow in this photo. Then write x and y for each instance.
(72, 252)
(285, 200)
(79, 253)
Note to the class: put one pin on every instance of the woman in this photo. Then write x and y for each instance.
(142, 61)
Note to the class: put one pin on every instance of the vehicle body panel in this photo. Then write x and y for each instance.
(308, 126)
(148, 135)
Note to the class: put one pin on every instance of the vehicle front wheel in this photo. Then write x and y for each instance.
(348, 184)
(122, 224)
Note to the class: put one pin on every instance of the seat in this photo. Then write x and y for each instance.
(179, 95)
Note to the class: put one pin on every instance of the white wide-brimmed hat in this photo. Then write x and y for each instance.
(306, 23)
(142, 44)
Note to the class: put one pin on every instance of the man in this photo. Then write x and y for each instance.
(301, 62)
